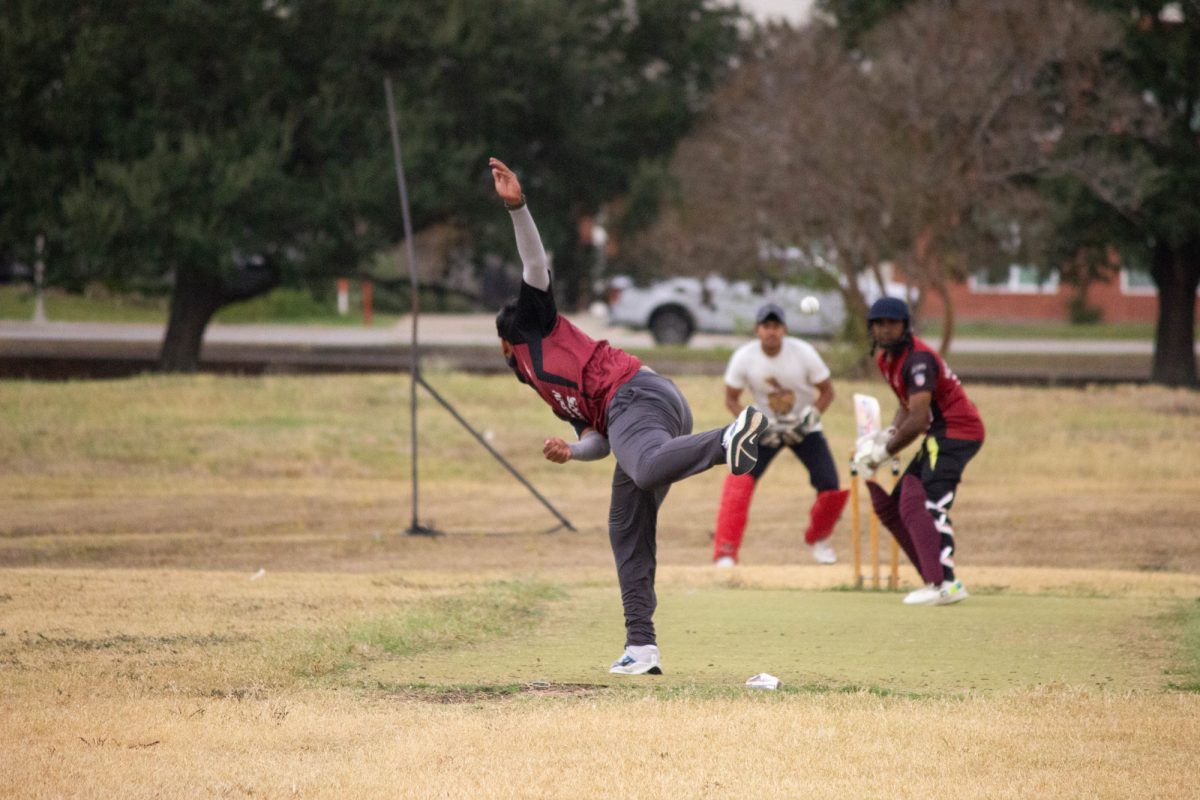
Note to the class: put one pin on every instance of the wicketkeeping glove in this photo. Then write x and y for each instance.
(772, 436)
(810, 420)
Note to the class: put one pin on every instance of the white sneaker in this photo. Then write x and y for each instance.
(822, 552)
(724, 562)
(740, 440)
(925, 596)
(951, 592)
(638, 660)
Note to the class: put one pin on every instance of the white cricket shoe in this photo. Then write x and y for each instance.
(931, 595)
(951, 592)
(927, 595)
(740, 440)
(822, 552)
(638, 660)
(724, 562)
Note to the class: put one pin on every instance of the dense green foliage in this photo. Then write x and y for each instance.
(1162, 59)
(225, 147)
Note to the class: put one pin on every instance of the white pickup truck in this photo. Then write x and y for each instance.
(675, 308)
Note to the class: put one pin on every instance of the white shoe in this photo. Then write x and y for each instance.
(724, 562)
(822, 552)
(951, 592)
(931, 595)
(638, 660)
(927, 595)
(740, 440)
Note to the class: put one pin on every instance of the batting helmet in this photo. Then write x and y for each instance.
(888, 308)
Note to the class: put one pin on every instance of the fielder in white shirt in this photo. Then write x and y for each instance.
(790, 383)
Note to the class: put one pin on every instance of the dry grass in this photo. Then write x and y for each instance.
(139, 659)
(138, 683)
(305, 473)
(1047, 743)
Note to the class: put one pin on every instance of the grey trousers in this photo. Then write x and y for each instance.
(649, 423)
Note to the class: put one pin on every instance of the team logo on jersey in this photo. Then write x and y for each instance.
(569, 405)
(918, 374)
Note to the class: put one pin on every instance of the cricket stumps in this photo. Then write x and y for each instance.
(893, 582)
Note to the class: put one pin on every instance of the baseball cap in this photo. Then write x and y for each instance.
(768, 310)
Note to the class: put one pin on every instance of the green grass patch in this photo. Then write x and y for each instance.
(280, 306)
(713, 639)
(17, 303)
(295, 307)
(440, 623)
(1185, 622)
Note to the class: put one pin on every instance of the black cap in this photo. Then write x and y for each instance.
(768, 310)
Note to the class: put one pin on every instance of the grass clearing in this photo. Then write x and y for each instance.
(283, 306)
(436, 623)
(144, 654)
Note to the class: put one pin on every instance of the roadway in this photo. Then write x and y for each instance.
(467, 330)
(466, 341)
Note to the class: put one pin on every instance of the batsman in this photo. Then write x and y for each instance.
(933, 405)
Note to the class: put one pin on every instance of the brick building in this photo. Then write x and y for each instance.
(1128, 296)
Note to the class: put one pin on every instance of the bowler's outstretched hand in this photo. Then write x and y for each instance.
(507, 185)
(557, 450)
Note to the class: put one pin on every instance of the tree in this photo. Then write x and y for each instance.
(769, 167)
(856, 18)
(925, 156)
(1130, 187)
(1161, 56)
(1012, 94)
(244, 143)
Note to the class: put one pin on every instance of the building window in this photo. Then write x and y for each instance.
(1137, 282)
(1020, 279)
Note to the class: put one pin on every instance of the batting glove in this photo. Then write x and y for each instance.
(870, 451)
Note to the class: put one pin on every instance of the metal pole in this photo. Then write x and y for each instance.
(39, 275)
(415, 527)
(566, 522)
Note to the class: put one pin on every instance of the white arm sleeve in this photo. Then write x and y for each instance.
(536, 267)
(590, 447)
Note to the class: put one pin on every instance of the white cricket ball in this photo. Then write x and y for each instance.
(810, 305)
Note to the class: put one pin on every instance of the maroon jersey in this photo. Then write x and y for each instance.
(921, 369)
(575, 374)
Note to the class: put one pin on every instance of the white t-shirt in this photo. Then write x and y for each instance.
(782, 384)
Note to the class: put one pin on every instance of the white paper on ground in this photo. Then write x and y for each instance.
(763, 681)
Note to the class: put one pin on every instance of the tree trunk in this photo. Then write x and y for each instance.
(1176, 273)
(939, 285)
(199, 294)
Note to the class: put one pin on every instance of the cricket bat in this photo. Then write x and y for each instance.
(867, 417)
